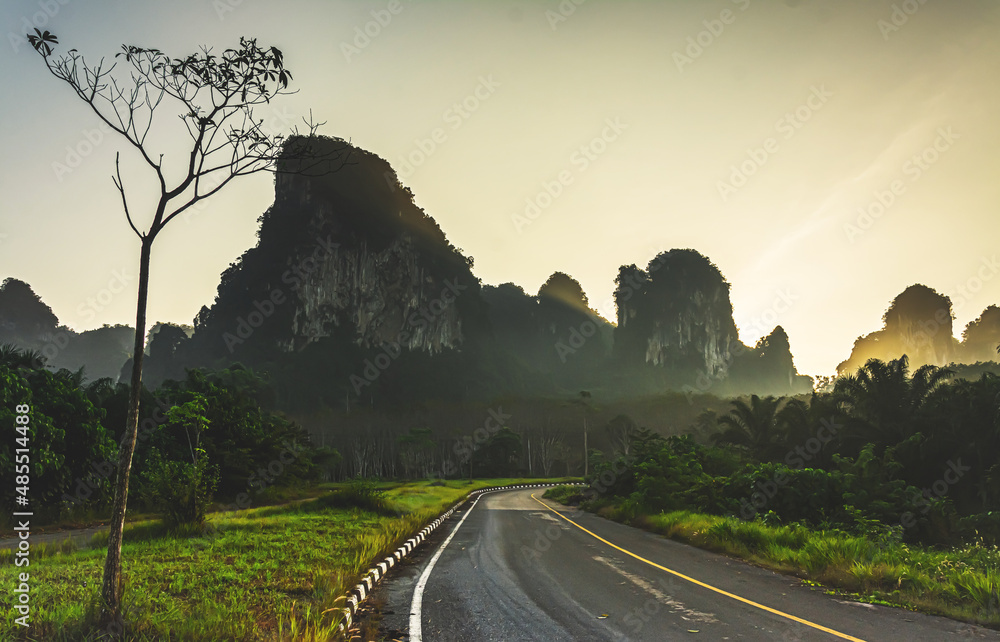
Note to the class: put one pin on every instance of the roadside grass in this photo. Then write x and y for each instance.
(92, 517)
(269, 573)
(83, 519)
(961, 583)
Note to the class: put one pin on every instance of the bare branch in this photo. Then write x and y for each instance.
(121, 190)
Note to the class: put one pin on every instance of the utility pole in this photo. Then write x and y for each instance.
(584, 396)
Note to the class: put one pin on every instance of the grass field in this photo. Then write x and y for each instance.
(271, 573)
(961, 583)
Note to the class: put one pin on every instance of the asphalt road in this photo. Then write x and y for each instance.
(516, 570)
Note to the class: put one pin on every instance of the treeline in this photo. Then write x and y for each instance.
(914, 457)
(211, 434)
(884, 454)
(219, 436)
(523, 436)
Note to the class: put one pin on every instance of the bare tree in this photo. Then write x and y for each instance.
(621, 430)
(550, 447)
(214, 96)
(363, 456)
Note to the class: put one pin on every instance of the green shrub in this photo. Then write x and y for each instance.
(984, 527)
(181, 491)
(570, 495)
(358, 493)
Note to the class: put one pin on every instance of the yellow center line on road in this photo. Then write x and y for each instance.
(819, 627)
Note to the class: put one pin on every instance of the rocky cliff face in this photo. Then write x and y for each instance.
(676, 314)
(385, 296)
(345, 256)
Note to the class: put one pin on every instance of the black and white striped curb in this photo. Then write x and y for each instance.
(361, 592)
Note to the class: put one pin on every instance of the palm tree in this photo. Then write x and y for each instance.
(74, 379)
(14, 357)
(100, 390)
(883, 402)
(752, 426)
(800, 421)
(796, 420)
(964, 423)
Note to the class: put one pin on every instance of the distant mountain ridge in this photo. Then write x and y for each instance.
(357, 285)
(27, 322)
(354, 295)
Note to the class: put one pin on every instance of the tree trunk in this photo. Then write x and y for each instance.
(111, 588)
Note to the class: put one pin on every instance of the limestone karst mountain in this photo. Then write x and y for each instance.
(344, 255)
(981, 337)
(676, 313)
(676, 329)
(919, 324)
(554, 333)
(354, 295)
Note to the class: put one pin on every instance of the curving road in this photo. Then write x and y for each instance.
(521, 568)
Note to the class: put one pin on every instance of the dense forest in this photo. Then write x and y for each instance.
(886, 453)
(213, 429)
(914, 455)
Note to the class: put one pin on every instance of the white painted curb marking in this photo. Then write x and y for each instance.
(358, 593)
(416, 632)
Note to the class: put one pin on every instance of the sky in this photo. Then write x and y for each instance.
(824, 155)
